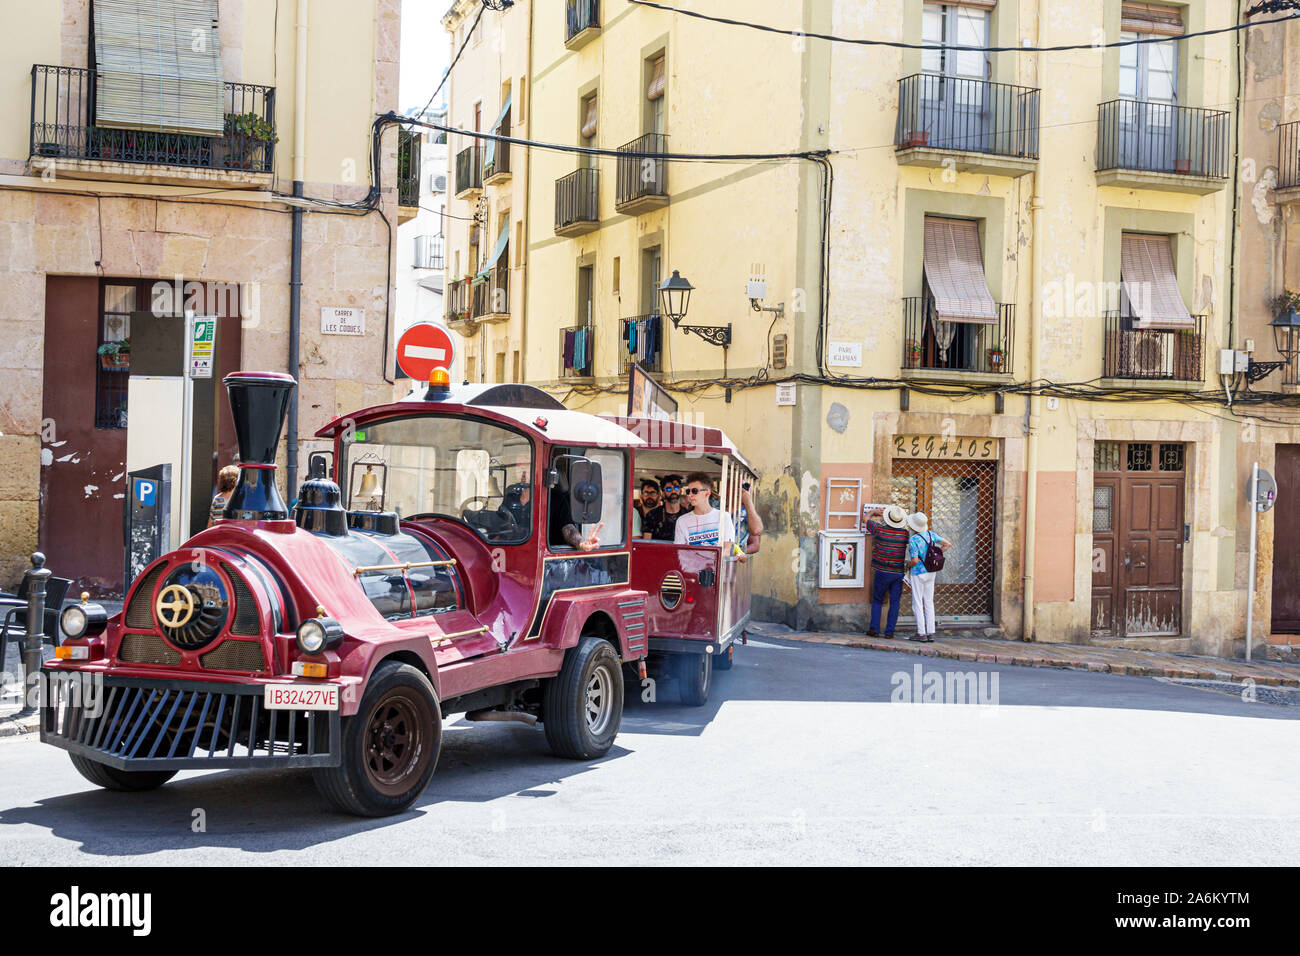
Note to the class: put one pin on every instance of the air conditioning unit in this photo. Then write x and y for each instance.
(439, 183)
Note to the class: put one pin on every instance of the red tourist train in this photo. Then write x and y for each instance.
(470, 551)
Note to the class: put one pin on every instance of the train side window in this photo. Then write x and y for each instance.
(435, 590)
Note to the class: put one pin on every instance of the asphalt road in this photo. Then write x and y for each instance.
(800, 758)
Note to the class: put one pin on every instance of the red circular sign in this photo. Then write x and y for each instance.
(424, 347)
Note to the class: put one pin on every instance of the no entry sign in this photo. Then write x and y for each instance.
(424, 347)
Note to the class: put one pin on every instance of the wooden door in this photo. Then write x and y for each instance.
(1286, 531)
(1138, 538)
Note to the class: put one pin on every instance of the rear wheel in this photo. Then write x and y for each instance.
(390, 746)
(694, 677)
(583, 706)
(110, 778)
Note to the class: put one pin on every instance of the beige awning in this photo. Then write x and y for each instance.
(589, 119)
(954, 271)
(158, 66)
(655, 89)
(1153, 18)
(1151, 284)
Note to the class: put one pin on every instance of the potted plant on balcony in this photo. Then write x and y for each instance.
(916, 137)
(1286, 305)
(245, 142)
(115, 355)
(997, 359)
(1183, 165)
(911, 354)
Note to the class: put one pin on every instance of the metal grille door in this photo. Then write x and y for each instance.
(960, 498)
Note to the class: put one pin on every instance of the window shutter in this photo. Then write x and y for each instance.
(1151, 18)
(589, 121)
(655, 89)
(974, 4)
(148, 74)
(1150, 283)
(955, 271)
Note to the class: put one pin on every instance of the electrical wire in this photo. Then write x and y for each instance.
(456, 58)
(904, 45)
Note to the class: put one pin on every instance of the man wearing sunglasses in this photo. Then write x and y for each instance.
(659, 524)
(704, 524)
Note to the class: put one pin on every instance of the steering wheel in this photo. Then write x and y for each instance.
(481, 500)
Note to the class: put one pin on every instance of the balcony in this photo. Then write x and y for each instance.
(1153, 356)
(469, 172)
(1288, 163)
(1144, 145)
(428, 253)
(978, 126)
(635, 347)
(458, 299)
(408, 175)
(577, 352)
(581, 23)
(956, 351)
(577, 203)
(497, 170)
(63, 134)
(642, 183)
(491, 295)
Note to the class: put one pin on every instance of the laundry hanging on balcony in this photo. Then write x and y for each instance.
(490, 150)
(954, 272)
(1150, 283)
(497, 251)
(158, 66)
(643, 338)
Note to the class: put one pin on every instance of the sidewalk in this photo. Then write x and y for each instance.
(1105, 660)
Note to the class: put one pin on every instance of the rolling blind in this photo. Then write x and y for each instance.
(955, 272)
(1151, 18)
(589, 120)
(1151, 284)
(158, 66)
(655, 88)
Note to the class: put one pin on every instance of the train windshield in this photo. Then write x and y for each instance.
(477, 471)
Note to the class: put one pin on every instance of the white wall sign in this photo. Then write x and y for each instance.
(785, 394)
(336, 321)
(845, 353)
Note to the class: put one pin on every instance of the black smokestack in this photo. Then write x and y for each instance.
(258, 402)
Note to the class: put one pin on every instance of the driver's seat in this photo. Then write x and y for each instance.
(514, 505)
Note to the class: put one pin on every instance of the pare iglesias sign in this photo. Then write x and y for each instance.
(337, 321)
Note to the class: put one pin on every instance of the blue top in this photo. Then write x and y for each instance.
(916, 546)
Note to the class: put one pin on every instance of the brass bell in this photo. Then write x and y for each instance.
(369, 484)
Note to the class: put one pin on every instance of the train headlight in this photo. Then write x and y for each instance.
(317, 634)
(83, 620)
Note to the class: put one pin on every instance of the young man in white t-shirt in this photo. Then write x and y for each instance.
(703, 524)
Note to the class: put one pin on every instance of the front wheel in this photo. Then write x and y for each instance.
(110, 778)
(390, 746)
(583, 706)
(694, 677)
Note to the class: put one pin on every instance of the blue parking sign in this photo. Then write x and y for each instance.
(146, 491)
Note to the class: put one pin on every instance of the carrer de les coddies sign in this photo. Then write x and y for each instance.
(340, 321)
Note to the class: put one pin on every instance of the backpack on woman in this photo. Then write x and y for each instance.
(933, 559)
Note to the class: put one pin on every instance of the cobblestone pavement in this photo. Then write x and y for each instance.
(1106, 660)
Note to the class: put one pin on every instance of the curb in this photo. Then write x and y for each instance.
(18, 726)
(1020, 659)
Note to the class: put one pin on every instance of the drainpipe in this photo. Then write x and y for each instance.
(295, 253)
(522, 254)
(1035, 322)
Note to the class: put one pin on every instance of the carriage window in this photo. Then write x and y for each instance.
(613, 514)
(476, 471)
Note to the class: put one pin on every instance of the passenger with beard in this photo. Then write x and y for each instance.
(660, 524)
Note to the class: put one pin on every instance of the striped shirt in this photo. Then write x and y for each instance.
(887, 547)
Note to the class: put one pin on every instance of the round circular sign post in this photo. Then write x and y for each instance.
(424, 347)
(1261, 492)
(1265, 491)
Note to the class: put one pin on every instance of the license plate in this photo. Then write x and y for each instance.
(300, 697)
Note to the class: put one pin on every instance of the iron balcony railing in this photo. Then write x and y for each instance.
(956, 346)
(408, 168)
(577, 351)
(1288, 155)
(428, 252)
(500, 153)
(579, 15)
(577, 198)
(1170, 354)
(1161, 138)
(642, 172)
(469, 168)
(458, 299)
(492, 295)
(978, 116)
(63, 99)
(634, 347)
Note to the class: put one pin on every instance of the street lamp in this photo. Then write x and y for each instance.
(1286, 333)
(675, 299)
(675, 295)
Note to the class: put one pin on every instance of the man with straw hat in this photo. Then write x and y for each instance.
(923, 542)
(888, 530)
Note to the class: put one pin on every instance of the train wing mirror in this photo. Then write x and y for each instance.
(585, 491)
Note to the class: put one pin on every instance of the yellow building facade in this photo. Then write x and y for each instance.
(1004, 305)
